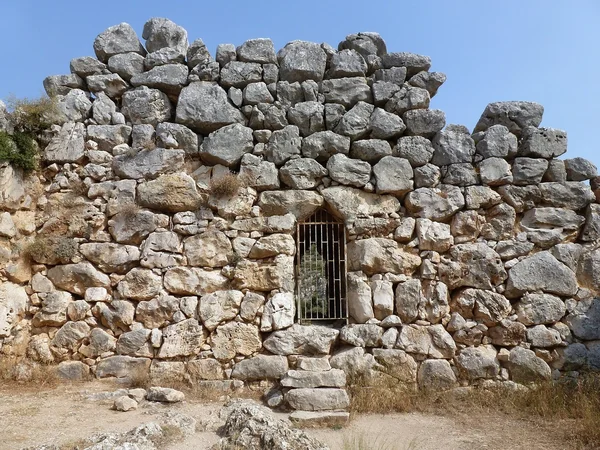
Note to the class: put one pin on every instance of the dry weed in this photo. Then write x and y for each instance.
(226, 185)
(21, 370)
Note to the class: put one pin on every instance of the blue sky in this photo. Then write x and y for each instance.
(546, 51)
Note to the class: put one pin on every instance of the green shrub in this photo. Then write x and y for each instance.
(32, 116)
(20, 149)
(52, 249)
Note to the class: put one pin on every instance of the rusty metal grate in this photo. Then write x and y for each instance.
(321, 269)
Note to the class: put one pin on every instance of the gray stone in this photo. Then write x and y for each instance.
(556, 171)
(227, 145)
(306, 340)
(67, 145)
(529, 170)
(428, 176)
(365, 43)
(62, 84)
(302, 173)
(516, 116)
(346, 63)
(134, 343)
(73, 107)
(126, 65)
(164, 395)
(197, 53)
(461, 174)
(380, 255)
(476, 363)
(347, 91)
(571, 194)
(122, 367)
(53, 311)
(348, 171)
(424, 122)
(348, 203)
(360, 304)
(451, 147)
(362, 335)
(112, 85)
(495, 172)
(86, 65)
(203, 106)
(542, 142)
(140, 284)
(283, 144)
(541, 271)
(542, 337)
(485, 268)
(111, 258)
(393, 176)
(239, 74)
(260, 175)
(170, 193)
(385, 125)
(370, 150)
(408, 98)
(184, 338)
(103, 108)
(580, 169)
(169, 78)
(430, 81)
(435, 203)
(497, 142)
(125, 403)
(301, 60)
(300, 203)
(314, 379)
(109, 136)
(413, 62)
(76, 278)
(584, 323)
(552, 218)
(258, 51)
(435, 375)
(174, 135)
(260, 367)
(306, 399)
(163, 33)
(324, 144)
(117, 39)
(416, 149)
(255, 93)
(591, 229)
(148, 163)
(525, 367)
(356, 122)
(308, 117)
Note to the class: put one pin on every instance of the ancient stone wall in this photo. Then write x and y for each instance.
(160, 233)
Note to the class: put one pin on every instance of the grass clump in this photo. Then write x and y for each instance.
(226, 185)
(32, 116)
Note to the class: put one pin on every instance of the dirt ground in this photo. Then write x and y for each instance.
(66, 414)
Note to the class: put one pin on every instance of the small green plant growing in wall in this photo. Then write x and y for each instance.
(28, 118)
(312, 284)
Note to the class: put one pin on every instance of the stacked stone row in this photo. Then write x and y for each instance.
(472, 257)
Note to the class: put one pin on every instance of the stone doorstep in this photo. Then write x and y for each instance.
(314, 379)
(319, 419)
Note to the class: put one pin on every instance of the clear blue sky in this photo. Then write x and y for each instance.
(546, 51)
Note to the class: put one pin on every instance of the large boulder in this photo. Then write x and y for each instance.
(227, 145)
(301, 340)
(525, 367)
(435, 375)
(163, 33)
(584, 322)
(347, 203)
(209, 249)
(541, 272)
(184, 338)
(76, 278)
(437, 204)
(260, 367)
(170, 193)
(13, 300)
(218, 307)
(537, 309)
(475, 363)
(148, 163)
(516, 116)
(67, 145)
(235, 339)
(204, 107)
(472, 265)
(115, 40)
(144, 105)
(300, 203)
(111, 258)
(324, 399)
(301, 61)
(380, 255)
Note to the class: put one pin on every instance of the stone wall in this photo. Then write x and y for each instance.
(160, 233)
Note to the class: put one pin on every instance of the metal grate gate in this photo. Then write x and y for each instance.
(321, 269)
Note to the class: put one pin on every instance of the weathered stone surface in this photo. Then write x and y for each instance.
(584, 323)
(437, 204)
(273, 245)
(163, 33)
(302, 173)
(525, 367)
(76, 278)
(109, 136)
(541, 272)
(347, 91)
(218, 307)
(542, 142)
(260, 175)
(324, 144)
(111, 257)
(474, 265)
(360, 304)
(264, 277)
(158, 312)
(385, 125)
(348, 203)
(380, 255)
(148, 163)
(13, 301)
(308, 379)
(475, 363)
(436, 375)
(370, 150)
(73, 371)
(184, 338)
(193, 281)
(171, 193)
(497, 142)
(300, 61)
(393, 176)
(299, 203)
(424, 122)
(203, 106)
(355, 124)
(115, 40)
(271, 224)
(348, 171)
(283, 144)
(67, 145)
(452, 146)
(227, 145)
(122, 366)
(144, 105)
(164, 395)
(260, 367)
(431, 81)
(301, 340)
(306, 399)
(516, 116)
(134, 343)
(209, 249)
(580, 169)
(279, 312)
(413, 62)
(362, 335)
(529, 170)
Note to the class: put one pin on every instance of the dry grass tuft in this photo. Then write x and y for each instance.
(572, 402)
(51, 249)
(21, 370)
(226, 185)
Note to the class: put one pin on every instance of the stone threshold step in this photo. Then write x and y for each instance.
(319, 419)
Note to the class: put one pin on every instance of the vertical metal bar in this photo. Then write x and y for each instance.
(345, 277)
